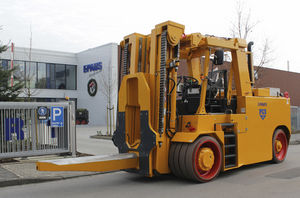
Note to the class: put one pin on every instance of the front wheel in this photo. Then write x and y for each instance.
(280, 146)
(200, 161)
(204, 159)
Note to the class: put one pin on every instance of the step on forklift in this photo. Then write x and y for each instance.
(192, 126)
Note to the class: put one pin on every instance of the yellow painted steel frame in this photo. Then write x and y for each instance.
(138, 52)
(254, 134)
(140, 91)
(175, 31)
(90, 163)
(134, 96)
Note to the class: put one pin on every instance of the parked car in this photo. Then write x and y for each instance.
(82, 116)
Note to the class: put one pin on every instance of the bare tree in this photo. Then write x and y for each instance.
(2, 47)
(28, 75)
(109, 89)
(264, 57)
(243, 26)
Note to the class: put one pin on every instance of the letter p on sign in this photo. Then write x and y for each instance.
(57, 116)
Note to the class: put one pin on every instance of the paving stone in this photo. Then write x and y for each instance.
(6, 174)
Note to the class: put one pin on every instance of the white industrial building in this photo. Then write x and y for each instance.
(54, 75)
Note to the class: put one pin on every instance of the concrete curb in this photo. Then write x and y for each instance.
(294, 142)
(103, 137)
(22, 181)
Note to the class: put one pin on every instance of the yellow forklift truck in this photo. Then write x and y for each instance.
(193, 126)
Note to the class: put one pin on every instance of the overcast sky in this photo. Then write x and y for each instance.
(76, 25)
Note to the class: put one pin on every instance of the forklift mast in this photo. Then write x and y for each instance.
(147, 95)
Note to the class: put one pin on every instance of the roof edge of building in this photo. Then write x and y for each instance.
(43, 51)
(281, 70)
(101, 46)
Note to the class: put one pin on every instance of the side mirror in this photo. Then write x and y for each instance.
(218, 57)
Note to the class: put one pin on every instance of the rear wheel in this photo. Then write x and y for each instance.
(280, 146)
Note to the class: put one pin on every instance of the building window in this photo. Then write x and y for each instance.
(19, 73)
(71, 77)
(31, 74)
(50, 76)
(44, 75)
(41, 76)
(60, 76)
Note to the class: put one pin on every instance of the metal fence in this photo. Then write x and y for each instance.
(23, 133)
(295, 118)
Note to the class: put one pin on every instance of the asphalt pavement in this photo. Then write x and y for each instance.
(259, 180)
(262, 180)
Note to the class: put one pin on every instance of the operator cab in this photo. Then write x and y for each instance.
(188, 97)
(189, 91)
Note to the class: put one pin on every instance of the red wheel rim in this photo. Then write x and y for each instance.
(280, 136)
(210, 174)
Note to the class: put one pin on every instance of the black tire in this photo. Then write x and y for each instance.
(171, 157)
(182, 159)
(177, 160)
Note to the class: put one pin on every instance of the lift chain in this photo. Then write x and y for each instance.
(125, 58)
(162, 86)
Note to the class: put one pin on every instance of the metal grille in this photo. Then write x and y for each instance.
(295, 118)
(22, 134)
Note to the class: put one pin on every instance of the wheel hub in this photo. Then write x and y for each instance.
(206, 159)
(278, 146)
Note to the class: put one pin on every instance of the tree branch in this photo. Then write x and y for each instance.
(243, 26)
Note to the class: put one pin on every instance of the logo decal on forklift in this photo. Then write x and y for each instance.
(262, 113)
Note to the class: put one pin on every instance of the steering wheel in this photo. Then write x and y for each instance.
(187, 80)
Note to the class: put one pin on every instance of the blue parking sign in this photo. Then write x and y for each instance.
(57, 116)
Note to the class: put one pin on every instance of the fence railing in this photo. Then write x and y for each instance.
(295, 118)
(24, 131)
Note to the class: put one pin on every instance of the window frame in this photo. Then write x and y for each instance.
(47, 72)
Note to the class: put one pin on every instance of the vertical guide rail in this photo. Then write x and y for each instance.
(125, 59)
(33, 131)
(162, 85)
(72, 128)
(2, 130)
